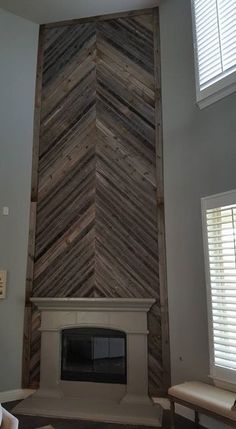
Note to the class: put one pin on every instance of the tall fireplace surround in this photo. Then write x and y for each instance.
(126, 402)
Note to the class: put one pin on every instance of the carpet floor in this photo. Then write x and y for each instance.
(34, 422)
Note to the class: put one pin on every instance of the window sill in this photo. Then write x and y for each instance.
(217, 91)
(223, 384)
(210, 99)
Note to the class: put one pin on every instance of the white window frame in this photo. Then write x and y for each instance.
(222, 376)
(216, 91)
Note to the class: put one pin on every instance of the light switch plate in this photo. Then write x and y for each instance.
(5, 211)
(3, 283)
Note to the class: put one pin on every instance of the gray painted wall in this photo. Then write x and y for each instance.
(18, 55)
(44, 11)
(199, 160)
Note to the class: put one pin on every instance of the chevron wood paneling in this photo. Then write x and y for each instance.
(96, 220)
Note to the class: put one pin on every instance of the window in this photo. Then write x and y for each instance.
(219, 234)
(214, 25)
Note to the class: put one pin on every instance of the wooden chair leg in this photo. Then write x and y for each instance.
(172, 414)
(197, 419)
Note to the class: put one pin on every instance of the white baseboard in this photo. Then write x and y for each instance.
(15, 395)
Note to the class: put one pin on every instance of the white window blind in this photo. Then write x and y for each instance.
(219, 225)
(215, 40)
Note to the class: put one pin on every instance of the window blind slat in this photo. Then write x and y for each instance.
(223, 322)
(223, 346)
(225, 363)
(224, 294)
(223, 314)
(225, 334)
(224, 342)
(223, 317)
(226, 356)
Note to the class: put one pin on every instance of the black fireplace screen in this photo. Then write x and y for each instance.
(93, 354)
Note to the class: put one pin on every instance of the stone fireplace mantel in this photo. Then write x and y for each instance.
(121, 403)
(91, 304)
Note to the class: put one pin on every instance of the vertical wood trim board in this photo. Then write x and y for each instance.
(160, 209)
(27, 343)
(99, 203)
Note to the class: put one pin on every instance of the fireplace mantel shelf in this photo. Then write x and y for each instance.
(94, 304)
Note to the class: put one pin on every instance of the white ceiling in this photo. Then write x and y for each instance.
(44, 11)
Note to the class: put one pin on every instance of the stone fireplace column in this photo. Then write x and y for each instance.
(50, 364)
(137, 368)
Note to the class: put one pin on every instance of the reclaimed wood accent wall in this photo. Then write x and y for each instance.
(97, 202)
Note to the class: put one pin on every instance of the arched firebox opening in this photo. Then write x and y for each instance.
(93, 354)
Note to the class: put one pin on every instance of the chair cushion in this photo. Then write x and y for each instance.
(206, 396)
(0, 414)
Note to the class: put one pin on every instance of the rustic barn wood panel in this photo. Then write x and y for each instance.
(97, 194)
